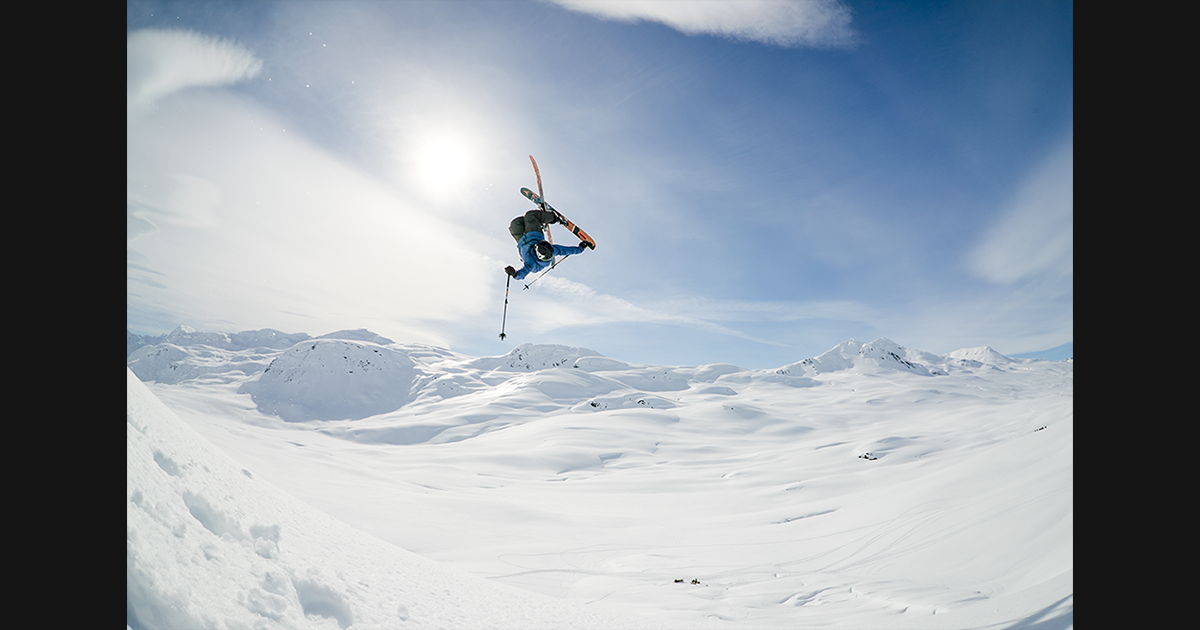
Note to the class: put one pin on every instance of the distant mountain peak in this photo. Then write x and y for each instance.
(983, 354)
(882, 352)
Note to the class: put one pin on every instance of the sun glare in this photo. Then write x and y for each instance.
(443, 162)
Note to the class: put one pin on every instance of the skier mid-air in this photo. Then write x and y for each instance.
(537, 252)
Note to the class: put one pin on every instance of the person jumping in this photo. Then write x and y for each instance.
(537, 252)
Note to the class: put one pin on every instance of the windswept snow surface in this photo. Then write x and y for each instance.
(209, 545)
(873, 486)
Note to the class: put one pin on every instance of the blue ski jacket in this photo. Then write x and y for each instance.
(526, 246)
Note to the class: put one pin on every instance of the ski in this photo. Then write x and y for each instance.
(541, 194)
(538, 172)
(540, 200)
(575, 229)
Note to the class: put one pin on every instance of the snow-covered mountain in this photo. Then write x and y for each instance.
(881, 353)
(870, 486)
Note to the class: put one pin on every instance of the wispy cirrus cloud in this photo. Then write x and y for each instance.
(816, 23)
(565, 303)
(159, 62)
(1035, 235)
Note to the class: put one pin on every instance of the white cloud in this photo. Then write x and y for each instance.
(159, 62)
(818, 23)
(1035, 236)
(237, 224)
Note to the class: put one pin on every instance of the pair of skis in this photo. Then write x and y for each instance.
(539, 198)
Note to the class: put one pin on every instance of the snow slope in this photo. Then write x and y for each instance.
(209, 545)
(873, 486)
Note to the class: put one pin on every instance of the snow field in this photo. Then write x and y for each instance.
(873, 486)
(211, 546)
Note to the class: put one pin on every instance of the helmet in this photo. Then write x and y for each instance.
(544, 250)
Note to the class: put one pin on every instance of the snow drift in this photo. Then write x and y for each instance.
(333, 379)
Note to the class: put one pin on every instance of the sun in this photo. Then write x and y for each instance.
(443, 162)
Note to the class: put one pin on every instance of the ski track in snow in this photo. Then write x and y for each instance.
(873, 486)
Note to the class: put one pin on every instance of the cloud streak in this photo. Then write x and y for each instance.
(237, 224)
(1034, 237)
(563, 303)
(587, 307)
(159, 62)
(818, 23)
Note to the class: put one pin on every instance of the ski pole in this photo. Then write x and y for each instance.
(504, 321)
(564, 258)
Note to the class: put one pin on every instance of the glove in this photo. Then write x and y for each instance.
(510, 271)
(586, 245)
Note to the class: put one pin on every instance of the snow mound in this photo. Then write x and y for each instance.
(710, 372)
(597, 363)
(529, 357)
(170, 364)
(653, 379)
(163, 363)
(635, 400)
(334, 379)
(358, 334)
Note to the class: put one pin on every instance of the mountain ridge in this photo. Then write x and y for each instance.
(355, 374)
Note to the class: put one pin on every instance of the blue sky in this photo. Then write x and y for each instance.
(764, 179)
